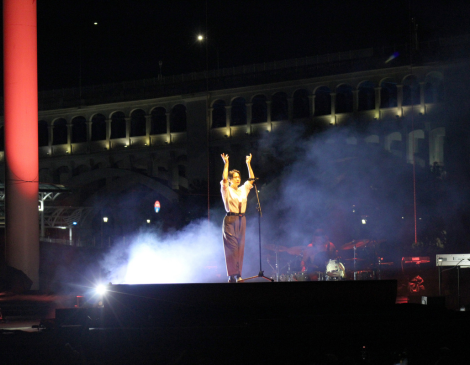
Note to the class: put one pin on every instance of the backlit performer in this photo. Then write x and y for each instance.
(234, 225)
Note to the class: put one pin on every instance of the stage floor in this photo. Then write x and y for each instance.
(271, 333)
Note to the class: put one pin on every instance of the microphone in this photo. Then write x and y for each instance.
(253, 179)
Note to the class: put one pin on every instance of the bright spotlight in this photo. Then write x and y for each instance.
(101, 289)
(200, 37)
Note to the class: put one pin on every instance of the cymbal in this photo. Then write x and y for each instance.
(378, 241)
(273, 247)
(358, 244)
(296, 250)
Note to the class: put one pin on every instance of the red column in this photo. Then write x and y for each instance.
(21, 136)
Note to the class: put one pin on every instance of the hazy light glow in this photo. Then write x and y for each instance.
(101, 289)
(200, 37)
(193, 255)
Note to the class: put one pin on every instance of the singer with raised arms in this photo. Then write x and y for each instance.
(234, 197)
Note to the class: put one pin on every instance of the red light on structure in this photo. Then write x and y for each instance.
(21, 136)
(157, 206)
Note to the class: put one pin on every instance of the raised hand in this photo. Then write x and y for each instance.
(224, 157)
(248, 159)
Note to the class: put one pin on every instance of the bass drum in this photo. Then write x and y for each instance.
(300, 276)
(335, 270)
(364, 275)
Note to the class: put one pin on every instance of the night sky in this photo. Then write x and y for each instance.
(133, 35)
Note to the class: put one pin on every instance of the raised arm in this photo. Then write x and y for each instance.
(250, 170)
(225, 173)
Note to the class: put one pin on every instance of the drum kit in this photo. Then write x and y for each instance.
(365, 263)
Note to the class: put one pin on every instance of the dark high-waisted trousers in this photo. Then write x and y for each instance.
(233, 230)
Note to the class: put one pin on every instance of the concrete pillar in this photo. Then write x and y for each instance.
(50, 133)
(108, 133)
(228, 115)
(228, 119)
(69, 136)
(248, 116)
(312, 105)
(210, 112)
(333, 108)
(268, 111)
(422, 109)
(148, 123)
(400, 100)
(378, 101)
(355, 100)
(128, 131)
(168, 134)
(88, 131)
(21, 148)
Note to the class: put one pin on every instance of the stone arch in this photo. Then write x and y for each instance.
(394, 143)
(366, 96)
(81, 169)
(45, 175)
(138, 123)
(99, 165)
(411, 90)
(61, 174)
(79, 130)
(118, 125)
(344, 99)
(238, 111)
(279, 107)
(98, 127)
(322, 101)
(388, 93)
(178, 119)
(158, 120)
(418, 146)
(301, 104)
(128, 178)
(259, 109)
(436, 146)
(59, 132)
(43, 134)
(433, 87)
(219, 114)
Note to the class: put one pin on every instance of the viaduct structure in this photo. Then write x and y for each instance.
(162, 134)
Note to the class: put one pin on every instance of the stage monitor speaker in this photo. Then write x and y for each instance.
(436, 302)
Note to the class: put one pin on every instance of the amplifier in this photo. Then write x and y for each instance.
(461, 260)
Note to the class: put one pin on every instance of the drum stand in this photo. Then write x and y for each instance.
(354, 262)
(261, 272)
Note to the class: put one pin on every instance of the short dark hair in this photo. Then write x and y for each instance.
(231, 172)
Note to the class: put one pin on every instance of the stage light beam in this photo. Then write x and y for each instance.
(101, 289)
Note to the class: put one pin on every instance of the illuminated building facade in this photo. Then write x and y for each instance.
(164, 133)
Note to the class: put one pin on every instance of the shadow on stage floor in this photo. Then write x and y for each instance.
(344, 322)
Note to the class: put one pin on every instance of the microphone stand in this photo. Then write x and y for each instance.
(261, 272)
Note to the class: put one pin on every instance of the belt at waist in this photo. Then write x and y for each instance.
(240, 214)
